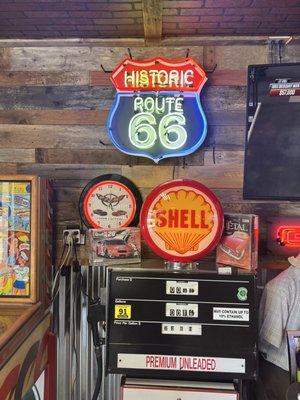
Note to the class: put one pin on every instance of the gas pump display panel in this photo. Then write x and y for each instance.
(183, 325)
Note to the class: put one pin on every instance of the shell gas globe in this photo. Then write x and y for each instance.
(182, 220)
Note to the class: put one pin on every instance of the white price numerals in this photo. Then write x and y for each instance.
(171, 131)
(287, 92)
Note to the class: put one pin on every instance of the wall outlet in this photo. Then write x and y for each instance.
(78, 237)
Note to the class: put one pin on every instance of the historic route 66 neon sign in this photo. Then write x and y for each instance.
(171, 128)
(157, 111)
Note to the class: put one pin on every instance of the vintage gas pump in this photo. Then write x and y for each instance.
(180, 332)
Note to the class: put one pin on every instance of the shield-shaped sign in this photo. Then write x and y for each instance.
(161, 122)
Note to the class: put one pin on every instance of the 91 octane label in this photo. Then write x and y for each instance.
(182, 288)
(122, 311)
(181, 310)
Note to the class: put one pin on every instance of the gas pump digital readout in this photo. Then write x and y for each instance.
(181, 323)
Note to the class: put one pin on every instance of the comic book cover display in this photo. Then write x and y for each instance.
(15, 238)
(115, 246)
(238, 246)
(26, 262)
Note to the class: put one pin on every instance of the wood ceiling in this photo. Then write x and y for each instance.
(151, 19)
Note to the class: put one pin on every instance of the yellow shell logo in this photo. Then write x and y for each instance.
(182, 219)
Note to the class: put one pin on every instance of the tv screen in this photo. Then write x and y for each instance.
(272, 149)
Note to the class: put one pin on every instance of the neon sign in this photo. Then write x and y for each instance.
(157, 111)
(284, 235)
(158, 74)
(289, 236)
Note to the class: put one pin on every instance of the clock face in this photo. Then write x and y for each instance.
(110, 201)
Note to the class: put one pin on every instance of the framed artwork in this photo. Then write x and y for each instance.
(18, 239)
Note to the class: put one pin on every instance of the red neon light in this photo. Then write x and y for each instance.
(289, 236)
(158, 74)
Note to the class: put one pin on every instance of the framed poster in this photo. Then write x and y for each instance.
(18, 239)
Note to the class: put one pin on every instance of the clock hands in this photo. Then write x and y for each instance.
(110, 200)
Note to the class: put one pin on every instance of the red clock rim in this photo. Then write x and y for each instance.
(172, 184)
(87, 197)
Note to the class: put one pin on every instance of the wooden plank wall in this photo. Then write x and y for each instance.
(54, 100)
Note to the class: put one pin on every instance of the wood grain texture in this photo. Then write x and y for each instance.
(99, 78)
(68, 171)
(5, 59)
(97, 117)
(209, 58)
(67, 212)
(235, 157)
(53, 117)
(236, 57)
(224, 41)
(223, 98)
(22, 314)
(12, 155)
(8, 168)
(105, 155)
(125, 42)
(225, 118)
(89, 58)
(85, 58)
(225, 137)
(152, 19)
(148, 176)
(57, 97)
(53, 113)
(214, 176)
(75, 42)
(43, 78)
(292, 53)
(228, 77)
(54, 136)
(213, 98)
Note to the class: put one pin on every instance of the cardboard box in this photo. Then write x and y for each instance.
(238, 246)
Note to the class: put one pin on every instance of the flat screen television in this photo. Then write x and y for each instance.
(272, 149)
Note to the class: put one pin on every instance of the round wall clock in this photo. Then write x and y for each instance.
(110, 201)
(181, 220)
